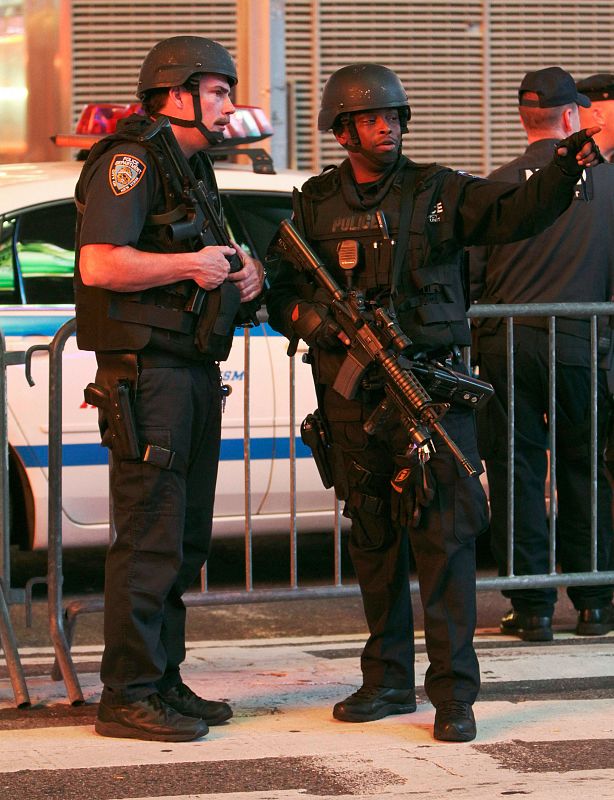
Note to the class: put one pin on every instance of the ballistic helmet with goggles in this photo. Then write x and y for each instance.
(361, 87)
(173, 61)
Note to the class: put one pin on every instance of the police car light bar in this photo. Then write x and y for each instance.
(248, 124)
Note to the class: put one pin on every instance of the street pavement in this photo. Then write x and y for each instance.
(545, 725)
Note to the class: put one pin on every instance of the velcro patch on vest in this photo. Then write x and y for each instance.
(125, 172)
(436, 212)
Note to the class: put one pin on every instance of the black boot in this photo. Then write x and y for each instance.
(528, 627)
(374, 702)
(454, 722)
(595, 621)
(185, 701)
(150, 719)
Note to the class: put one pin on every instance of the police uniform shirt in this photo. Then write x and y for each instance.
(125, 188)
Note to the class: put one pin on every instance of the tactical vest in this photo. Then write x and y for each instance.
(155, 318)
(423, 274)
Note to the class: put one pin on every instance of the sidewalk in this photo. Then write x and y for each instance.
(545, 729)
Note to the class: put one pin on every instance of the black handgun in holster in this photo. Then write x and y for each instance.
(314, 435)
(116, 404)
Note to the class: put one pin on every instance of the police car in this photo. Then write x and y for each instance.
(36, 297)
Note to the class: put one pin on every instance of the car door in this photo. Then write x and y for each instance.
(37, 281)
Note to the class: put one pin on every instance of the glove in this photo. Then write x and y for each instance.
(315, 325)
(412, 489)
(574, 143)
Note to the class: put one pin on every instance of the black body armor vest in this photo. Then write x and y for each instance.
(407, 255)
(131, 321)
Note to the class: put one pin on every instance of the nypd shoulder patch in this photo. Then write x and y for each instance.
(125, 172)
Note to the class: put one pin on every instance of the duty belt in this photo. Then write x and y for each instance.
(156, 359)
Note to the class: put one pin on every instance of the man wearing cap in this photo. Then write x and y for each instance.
(572, 261)
(158, 384)
(600, 91)
(395, 230)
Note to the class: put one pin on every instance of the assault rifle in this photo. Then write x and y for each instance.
(375, 338)
(202, 222)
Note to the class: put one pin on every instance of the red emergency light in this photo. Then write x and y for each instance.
(102, 118)
(248, 124)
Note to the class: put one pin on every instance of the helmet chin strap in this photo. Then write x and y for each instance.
(379, 160)
(213, 137)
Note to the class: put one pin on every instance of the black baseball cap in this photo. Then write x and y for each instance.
(597, 87)
(553, 87)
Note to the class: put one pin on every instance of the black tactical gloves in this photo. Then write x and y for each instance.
(568, 164)
(315, 325)
(413, 488)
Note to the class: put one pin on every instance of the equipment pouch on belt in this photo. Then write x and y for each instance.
(214, 330)
(119, 416)
(313, 434)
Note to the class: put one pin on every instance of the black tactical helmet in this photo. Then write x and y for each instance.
(360, 87)
(173, 61)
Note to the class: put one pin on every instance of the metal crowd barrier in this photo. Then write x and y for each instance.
(7, 593)
(550, 311)
(62, 619)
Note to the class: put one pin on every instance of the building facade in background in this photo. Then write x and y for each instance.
(461, 61)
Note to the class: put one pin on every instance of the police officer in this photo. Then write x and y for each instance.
(599, 89)
(158, 380)
(395, 230)
(573, 261)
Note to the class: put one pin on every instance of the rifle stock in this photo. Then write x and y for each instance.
(375, 337)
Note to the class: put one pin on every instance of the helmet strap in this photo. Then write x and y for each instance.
(213, 137)
(354, 146)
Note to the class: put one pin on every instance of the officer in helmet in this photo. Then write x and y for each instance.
(396, 230)
(158, 385)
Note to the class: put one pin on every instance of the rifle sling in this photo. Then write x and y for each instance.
(168, 217)
(403, 234)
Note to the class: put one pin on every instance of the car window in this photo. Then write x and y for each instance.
(258, 216)
(8, 290)
(41, 239)
(45, 249)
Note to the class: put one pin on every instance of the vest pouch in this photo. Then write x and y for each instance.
(215, 327)
(326, 365)
(439, 312)
(433, 274)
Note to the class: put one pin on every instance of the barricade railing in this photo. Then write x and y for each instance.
(63, 667)
(62, 619)
(7, 593)
(549, 311)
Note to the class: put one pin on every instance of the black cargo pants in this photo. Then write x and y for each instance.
(163, 520)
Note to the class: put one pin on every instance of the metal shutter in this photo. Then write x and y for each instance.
(460, 60)
(435, 47)
(111, 37)
(531, 35)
